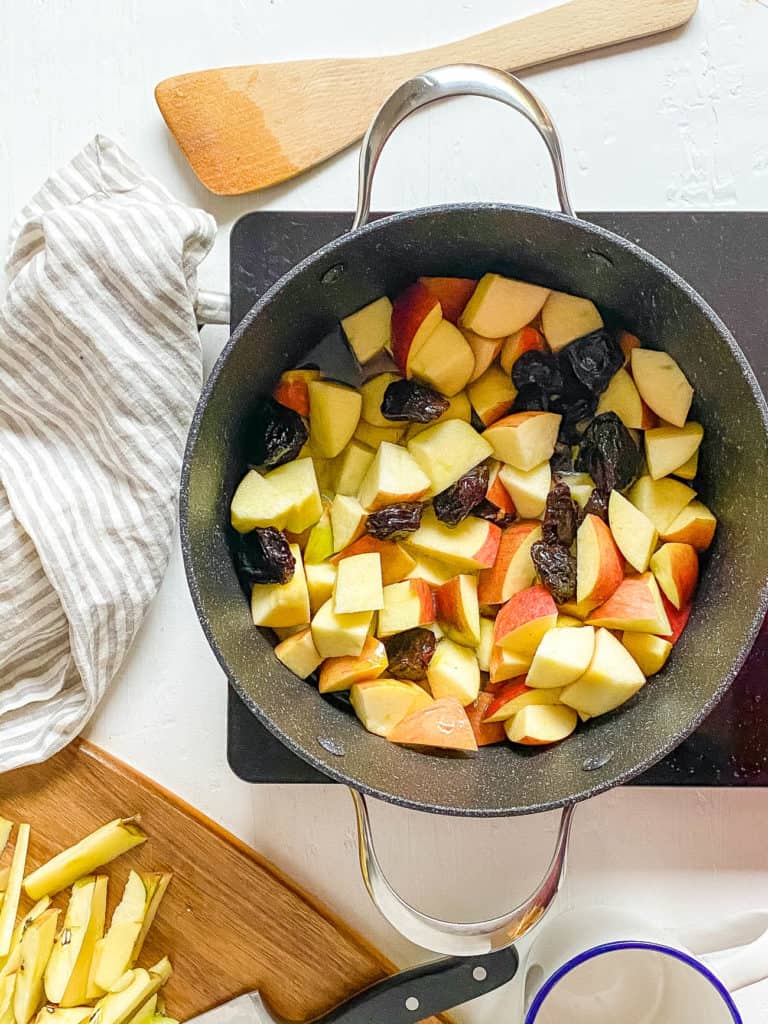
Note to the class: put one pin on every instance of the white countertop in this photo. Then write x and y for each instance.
(670, 125)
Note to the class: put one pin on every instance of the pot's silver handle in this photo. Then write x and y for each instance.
(212, 307)
(438, 84)
(449, 937)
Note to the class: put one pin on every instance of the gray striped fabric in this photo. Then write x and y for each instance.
(100, 368)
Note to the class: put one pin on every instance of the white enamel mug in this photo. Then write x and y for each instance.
(607, 966)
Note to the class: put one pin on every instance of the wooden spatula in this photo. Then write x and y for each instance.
(244, 128)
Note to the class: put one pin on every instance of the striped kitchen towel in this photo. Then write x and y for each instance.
(100, 369)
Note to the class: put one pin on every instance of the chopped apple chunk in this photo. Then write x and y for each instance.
(446, 451)
(12, 895)
(368, 331)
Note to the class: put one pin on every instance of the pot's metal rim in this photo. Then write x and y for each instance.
(326, 767)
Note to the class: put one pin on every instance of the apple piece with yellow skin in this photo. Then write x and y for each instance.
(580, 485)
(372, 437)
(484, 350)
(649, 651)
(396, 563)
(406, 605)
(319, 544)
(35, 950)
(694, 525)
(282, 604)
(292, 390)
(381, 703)
(635, 535)
(491, 395)
(527, 339)
(446, 451)
(444, 361)
(501, 305)
(513, 569)
(668, 448)
(337, 636)
(524, 439)
(298, 483)
(622, 397)
(528, 488)
(564, 318)
(635, 606)
(613, 676)
(321, 577)
(662, 385)
(575, 610)
(458, 409)
(431, 571)
(443, 724)
(661, 500)
(349, 468)
(416, 312)
(676, 568)
(567, 621)
(471, 545)
(368, 330)
(66, 977)
(457, 610)
(393, 476)
(453, 293)
(505, 665)
(334, 412)
(454, 672)
(524, 619)
(689, 469)
(372, 393)
(599, 565)
(627, 342)
(341, 673)
(485, 646)
(486, 733)
(497, 493)
(562, 656)
(257, 503)
(358, 586)
(515, 695)
(540, 724)
(299, 654)
(348, 519)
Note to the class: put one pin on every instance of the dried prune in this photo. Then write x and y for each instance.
(540, 370)
(562, 458)
(577, 407)
(274, 434)
(608, 453)
(557, 568)
(456, 502)
(410, 653)
(594, 359)
(597, 504)
(395, 520)
(486, 509)
(263, 556)
(411, 400)
(560, 516)
(530, 399)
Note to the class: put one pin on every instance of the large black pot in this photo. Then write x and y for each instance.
(553, 249)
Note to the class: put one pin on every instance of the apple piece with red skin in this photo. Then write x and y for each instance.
(299, 654)
(502, 305)
(528, 488)
(392, 477)
(649, 651)
(453, 672)
(513, 570)
(406, 605)
(509, 698)
(453, 293)
(341, 673)
(396, 563)
(368, 330)
(539, 725)
(505, 665)
(562, 656)
(627, 342)
(471, 545)
(678, 619)
(416, 312)
(444, 360)
(599, 565)
(497, 493)
(527, 339)
(694, 525)
(613, 676)
(380, 704)
(457, 609)
(622, 397)
(634, 606)
(486, 733)
(443, 724)
(676, 568)
(524, 619)
(484, 350)
(491, 395)
(292, 391)
(524, 439)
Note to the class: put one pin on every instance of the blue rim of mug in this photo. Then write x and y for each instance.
(613, 947)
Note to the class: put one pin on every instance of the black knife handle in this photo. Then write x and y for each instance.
(411, 996)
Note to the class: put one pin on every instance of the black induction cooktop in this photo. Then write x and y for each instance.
(724, 256)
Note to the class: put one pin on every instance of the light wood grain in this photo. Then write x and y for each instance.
(230, 921)
(244, 128)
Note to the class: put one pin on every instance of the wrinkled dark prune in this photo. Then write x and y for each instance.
(560, 516)
(410, 653)
(530, 399)
(608, 453)
(395, 520)
(557, 568)
(274, 434)
(413, 401)
(486, 509)
(540, 370)
(597, 504)
(576, 408)
(456, 502)
(562, 458)
(594, 359)
(263, 556)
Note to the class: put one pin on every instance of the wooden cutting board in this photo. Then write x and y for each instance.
(230, 921)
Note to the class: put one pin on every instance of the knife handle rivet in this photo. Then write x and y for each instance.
(411, 1003)
(479, 973)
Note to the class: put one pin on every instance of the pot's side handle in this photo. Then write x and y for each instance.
(438, 84)
(212, 307)
(448, 937)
